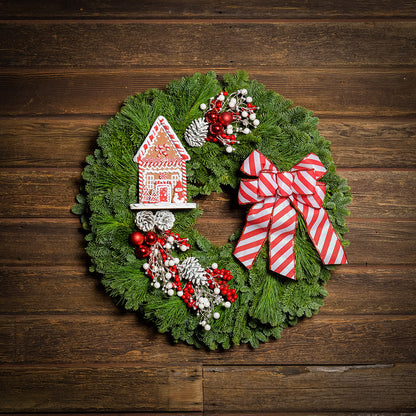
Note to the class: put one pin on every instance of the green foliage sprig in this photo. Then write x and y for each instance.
(267, 302)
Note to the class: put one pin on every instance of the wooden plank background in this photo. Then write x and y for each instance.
(66, 67)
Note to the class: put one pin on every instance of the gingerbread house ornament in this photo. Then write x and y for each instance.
(162, 169)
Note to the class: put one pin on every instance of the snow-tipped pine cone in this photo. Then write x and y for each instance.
(196, 133)
(191, 270)
(145, 221)
(164, 220)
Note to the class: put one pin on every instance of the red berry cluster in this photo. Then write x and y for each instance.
(220, 279)
(188, 291)
(223, 112)
(181, 242)
(219, 121)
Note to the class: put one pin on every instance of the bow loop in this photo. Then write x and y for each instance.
(255, 163)
(267, 183)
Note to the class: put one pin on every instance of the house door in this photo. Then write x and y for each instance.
(163, 194)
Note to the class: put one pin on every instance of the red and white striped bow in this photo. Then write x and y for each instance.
(275, 194)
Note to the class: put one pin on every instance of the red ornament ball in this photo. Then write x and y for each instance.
(142, 251)
(150, 238)
(226, 118)
(136, 238)
(211, 116)
(216, 128)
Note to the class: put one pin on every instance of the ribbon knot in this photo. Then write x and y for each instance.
(277, 196)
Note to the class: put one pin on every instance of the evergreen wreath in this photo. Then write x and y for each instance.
(267, 302)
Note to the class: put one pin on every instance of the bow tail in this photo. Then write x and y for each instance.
(322, 234)
(254, 233)
(282, 239)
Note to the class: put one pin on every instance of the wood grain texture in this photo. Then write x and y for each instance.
(144, 44)
(66, 67)
(351, 91)
(338, 388)
(232, 9)
(123, 338)
(91, 389)
(35, 193)
(72, 290)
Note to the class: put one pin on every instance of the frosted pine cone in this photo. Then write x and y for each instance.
(191, 270)
(196, 133)
(164, 220)
(145, 221)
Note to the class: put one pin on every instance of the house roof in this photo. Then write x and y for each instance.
(161, 126)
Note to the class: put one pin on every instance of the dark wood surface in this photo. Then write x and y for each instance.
(66, 67)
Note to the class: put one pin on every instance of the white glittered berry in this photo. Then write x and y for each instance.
(243, 91)
(221, 97)
(214, 266)
(246, 130)
(229, 149)
(232, 102)
(252, 116)
(256, 122)
(244, 114)
(249, 99)
(203, 106)
(157, 285)
(183, 248)
(146, 266)
(170, 292)
(180, 293)
(207, 327)
(217, 290)
(227, 304)
(216, 315)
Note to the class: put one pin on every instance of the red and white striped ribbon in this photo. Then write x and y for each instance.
(275, 195)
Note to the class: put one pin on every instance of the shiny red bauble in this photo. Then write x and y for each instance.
(136, 238)
(216, 128)
(142, 251)
(211, 116)
(226, 118)
(150, 238)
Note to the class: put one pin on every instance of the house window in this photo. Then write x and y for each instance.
(150, 180)
(174, 179)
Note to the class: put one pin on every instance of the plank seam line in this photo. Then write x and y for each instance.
(116, 365)
(265, 70)
(206, 21)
